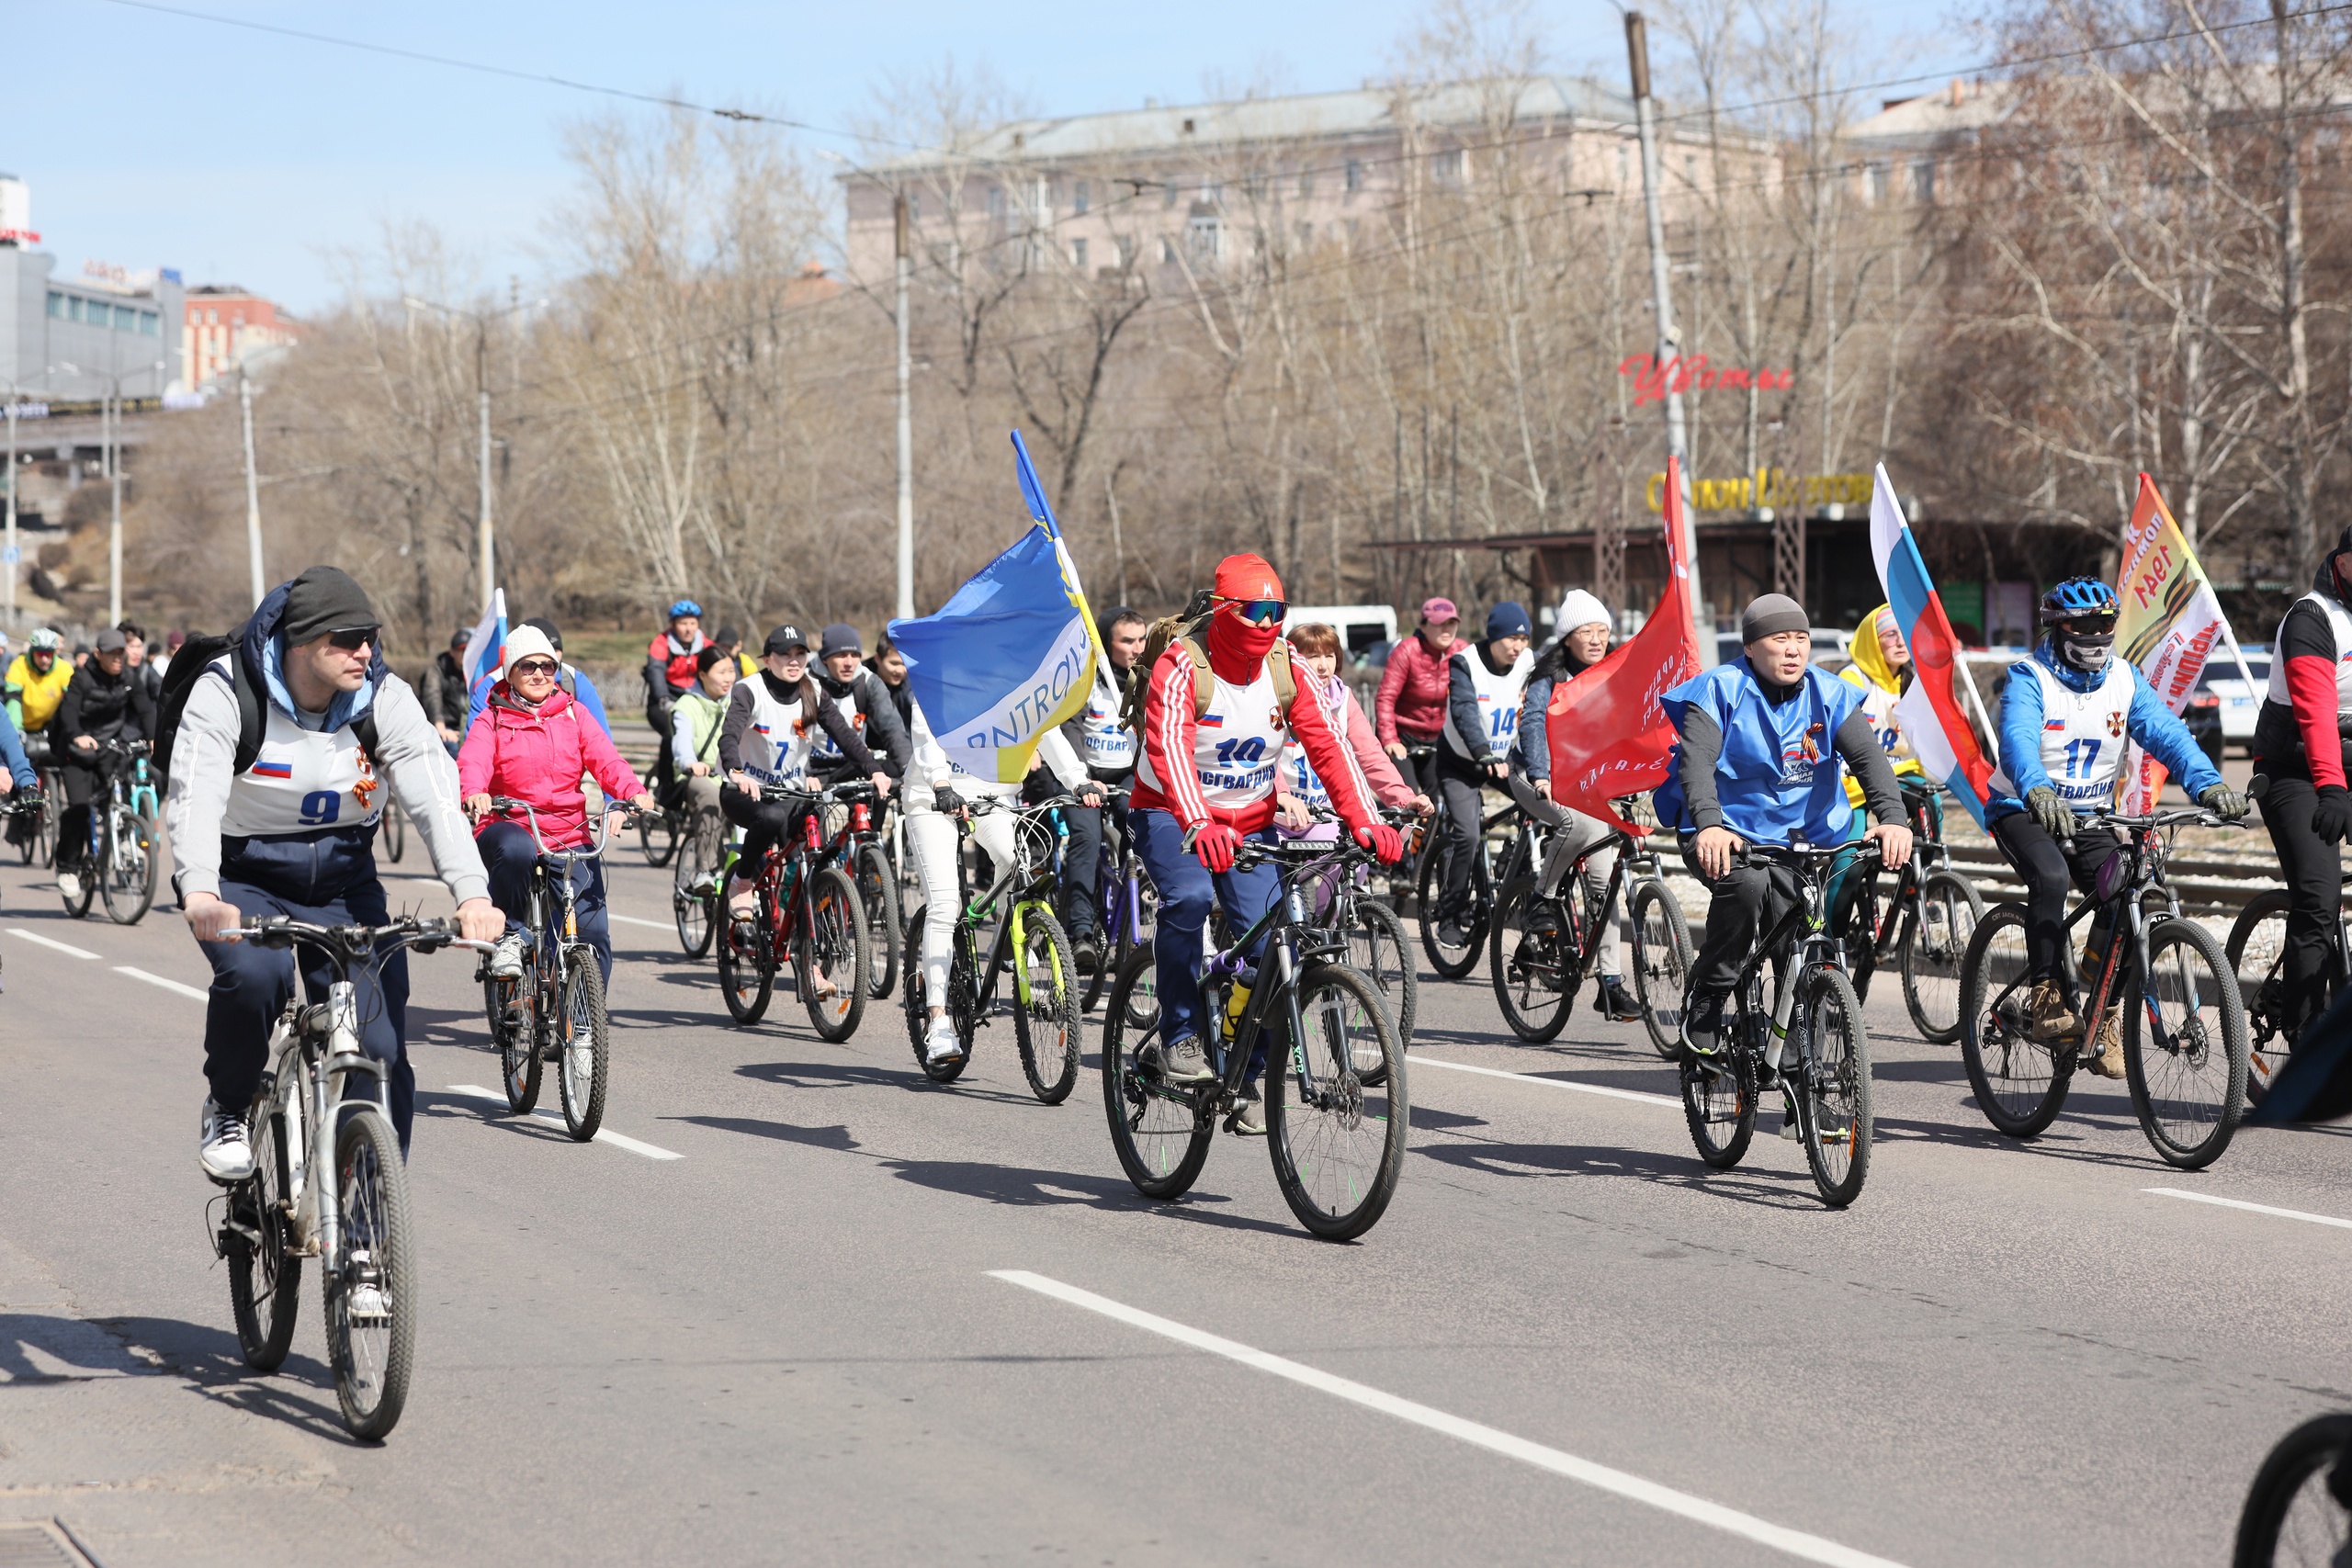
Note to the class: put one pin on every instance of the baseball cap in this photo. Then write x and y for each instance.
(784, 639)
(1438, 611)
(111, 640)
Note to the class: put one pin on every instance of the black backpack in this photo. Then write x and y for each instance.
(190, 664)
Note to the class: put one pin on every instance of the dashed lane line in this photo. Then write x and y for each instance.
(1621, 1484)
(2250, 1208)
(634, 920)
(1632, 1094)
(650, 1151)
(45, 941)
(173, 985)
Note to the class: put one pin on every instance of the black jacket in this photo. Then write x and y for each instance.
(442, 690)
(108, 707)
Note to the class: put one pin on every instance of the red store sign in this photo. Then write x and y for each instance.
(1653, 381)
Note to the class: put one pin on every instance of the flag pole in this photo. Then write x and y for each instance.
(1041, 512)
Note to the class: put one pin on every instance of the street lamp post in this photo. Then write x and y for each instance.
(9, 556)
(485, 537)
(110, 427)
(906, 428)
(253, 487)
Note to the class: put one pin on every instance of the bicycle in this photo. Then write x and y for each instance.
(657, 833)
(119, 862)
(557, 1006)
(1375, 937)
(807, 916)
(2299, 1509)
(24, 805)
(1343, 1085)
(358, 1225)
(36, 835)
(1926, 926)
(1476, 907)
(868, 856)
(1812, 1044)
(1126, 899)
(1546, 949)
(1028, 938)
(2188, 1082)
(2256, 950)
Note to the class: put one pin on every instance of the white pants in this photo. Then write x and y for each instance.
(934, 841)
(1572, 833)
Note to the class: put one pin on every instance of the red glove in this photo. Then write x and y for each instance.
(1214, 845)
(1382, 840)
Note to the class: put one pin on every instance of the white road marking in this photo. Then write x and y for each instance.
(650, 1151)
(159, 980)
(2250, 1208)
(633, 920)
(61, 947)
(1796, 1543)
(1633, 1094)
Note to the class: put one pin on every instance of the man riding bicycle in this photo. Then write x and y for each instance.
(862, 698)
(2066, 714)
(273, 805)
(1216, 715)
(1752, 766)
(37, 680)
(669, 675)
(1108, 748)
(105, 701)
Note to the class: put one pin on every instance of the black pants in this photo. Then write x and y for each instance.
(2313, 870)
(2047, 867)
(1082, 856)
(85, 780)
(1746, 901)
(1455, 783)
(766, 824)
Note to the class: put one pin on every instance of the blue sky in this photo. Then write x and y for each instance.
(152, 139)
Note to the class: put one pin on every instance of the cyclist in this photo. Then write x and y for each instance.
(693, 732)
(105, 701)
(134, 658)
(36, 684)
(1487, 680)
(767, 739)
(293, 832)
(731, 642)
(1584, 625)
(2303, 742)
(442, 690)
(1751, 766)
(1409, 708)
(669, 675)
(859, 693)
(1108, 748)
(1314, 647)
(570, 677)
(892, 666)
(532, 742)
(1212, 744)
(2066, 715)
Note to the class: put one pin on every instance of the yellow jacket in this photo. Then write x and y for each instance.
(32, 696)
(1880, 686)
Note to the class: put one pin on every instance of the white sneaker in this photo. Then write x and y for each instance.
(366, 1304)
(69, 885)
(222, 1147)
(940, 1044)
(506, 957)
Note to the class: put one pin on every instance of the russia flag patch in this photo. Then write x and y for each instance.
(274, 770)
(1212, 721)
(2053, 724)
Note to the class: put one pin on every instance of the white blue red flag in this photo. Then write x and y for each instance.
(486, 649)
(1930, 710)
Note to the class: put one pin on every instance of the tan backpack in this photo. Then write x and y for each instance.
(1187, 628)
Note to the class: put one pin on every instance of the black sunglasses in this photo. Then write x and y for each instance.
(351, 640)
(536, 667)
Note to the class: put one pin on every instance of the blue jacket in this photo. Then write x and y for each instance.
(12, 753)
(2149, 722)
(1779, 768)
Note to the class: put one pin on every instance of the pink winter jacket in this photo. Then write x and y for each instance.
(540, 756)
(1386, 782)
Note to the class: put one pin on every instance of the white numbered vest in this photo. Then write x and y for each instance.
(820, 744)
(1298, 774)
(301, 781)
(2340, 621)
(1110, 745)
(1878, 707)
(776, 747)
(1237, 745)
(2083, 734)
(1497, 702)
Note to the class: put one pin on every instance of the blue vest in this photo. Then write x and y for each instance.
(1777, 772)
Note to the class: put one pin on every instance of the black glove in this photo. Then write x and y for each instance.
(2051, 812)
(2331, 817)
(945, 801)
(2224, 801)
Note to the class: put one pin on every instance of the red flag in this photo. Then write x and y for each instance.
(1608, 733)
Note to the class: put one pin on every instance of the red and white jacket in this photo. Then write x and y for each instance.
(1171, 743)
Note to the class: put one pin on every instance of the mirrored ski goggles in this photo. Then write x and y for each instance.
(1261, 611)
(2088, 625)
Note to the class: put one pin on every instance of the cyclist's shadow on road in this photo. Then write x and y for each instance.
(300, 1393)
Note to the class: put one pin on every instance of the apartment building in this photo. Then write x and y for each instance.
(226, 327)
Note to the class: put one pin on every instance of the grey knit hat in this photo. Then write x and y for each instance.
(1769, 612)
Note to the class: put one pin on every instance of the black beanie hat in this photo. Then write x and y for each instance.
(324, 599)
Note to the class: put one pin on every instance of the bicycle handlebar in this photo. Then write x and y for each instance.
(503, 805)
(356, 940)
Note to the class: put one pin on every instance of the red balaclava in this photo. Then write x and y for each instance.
(1237, 650)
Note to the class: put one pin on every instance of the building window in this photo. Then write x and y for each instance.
(211, 317)
(1167, 193)
(1206, 237)
(1355, 175)
(1923, 180)
(57, 306)
(148, 322)
(1691, 170)
(1081, 197)
(1875, 183)
(1077, 254)
(1624, 165)
(1212, 192)
(1447, 167)
(1355, 231)
(996, 204)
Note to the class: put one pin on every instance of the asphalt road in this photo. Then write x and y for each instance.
(1566, 1343)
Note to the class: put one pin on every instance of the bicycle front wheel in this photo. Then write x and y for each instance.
(370, 1290)
(2294, 1512)
(2257, 955)
(2184, 1046)
(1045, 1025)
(828, 957)
(1719, 1103)
(694, 898)
(1451, 934)
(1533, 968)
(1338, 1142)
(2020, 1081)
(264, 1277)
(1378, 950)
(877, 893)
(1661, 965)
(585, 1066)
(657, 837)
(1936, 934)
(127, 882)
(746, 973)
(1834, 1116)
(1162, 1133)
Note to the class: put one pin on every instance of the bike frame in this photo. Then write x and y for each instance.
(2143, 843)
(1808, 923)
(814, 850)
(1011, 932)
(1928, 855)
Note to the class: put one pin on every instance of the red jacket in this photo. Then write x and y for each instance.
(539, 756)
(1411, 704)
(1169, 728)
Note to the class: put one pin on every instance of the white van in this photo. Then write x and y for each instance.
(1359, 625)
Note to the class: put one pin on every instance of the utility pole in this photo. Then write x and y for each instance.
(113, 432)
(8, 557)
(253, 488)
(483, 541)
(906, 428)
(1670, 341)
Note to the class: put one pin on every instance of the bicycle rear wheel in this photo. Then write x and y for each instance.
(657, 837)
(829, 950)
(917, 995)
(128, 881)
(2295, 1512)
(1834, 1116)
(1451, 961)
(2020, 1081)
(1161, 1135)
(693, 898)
(877, 893)
(265, 1278)
(1338, 1142)
(746, 972)
(370, 1290)
(2186, 1065)
(1661, 965)
(1935, 939)
(1719, 1102)
(508, 1005)
(2256, 952)
(1046, 1026)
(585, 1066)
(1531, 963)
(1378, 950)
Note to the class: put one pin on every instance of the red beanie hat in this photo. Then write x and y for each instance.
(1246, 577)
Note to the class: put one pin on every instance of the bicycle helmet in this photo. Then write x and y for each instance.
(2077, 598)
(44, 640)
(686, 607)
(2080, 613)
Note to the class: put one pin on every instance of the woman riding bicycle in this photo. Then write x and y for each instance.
(694, 728)
(1880, 670)
(531, 742)
(1298, 787)
(1583, 623)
